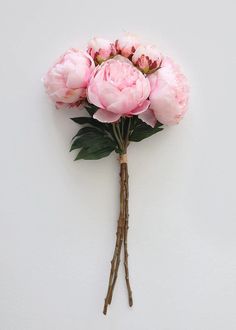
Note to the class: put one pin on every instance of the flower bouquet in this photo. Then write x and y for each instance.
(129, 90)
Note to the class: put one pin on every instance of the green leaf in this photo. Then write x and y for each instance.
(94, 143)
(94, 122)
(89, 121)
(142, 131)
(91, 154)
(85, 130)
(85, 120)
(91, 140)
(91, 109)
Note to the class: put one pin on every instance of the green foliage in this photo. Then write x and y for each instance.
(96, 140)
(140, 130)
(86, 120)
(93, 153)
(93, 143)
(91, 108)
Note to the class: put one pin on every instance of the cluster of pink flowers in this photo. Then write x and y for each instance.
(124, 78)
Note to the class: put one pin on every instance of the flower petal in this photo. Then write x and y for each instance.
(92, 95)
(141, 108)
(148, 117)
(106, 116)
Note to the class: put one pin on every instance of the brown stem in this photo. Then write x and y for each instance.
(126, 227)
(123, 215)
(117, 265)
(121, 237)
(115, 262)
(114, 266)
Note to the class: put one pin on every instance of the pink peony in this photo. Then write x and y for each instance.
(66, 82)
(147, 58)
(101, 50)
(126, 45)
(118, 89)
(169, 95)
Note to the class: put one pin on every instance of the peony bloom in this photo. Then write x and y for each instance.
(126, 45)
(101, 50)
(147, 58)
(169, 95)
(67, 80)
(118, 89)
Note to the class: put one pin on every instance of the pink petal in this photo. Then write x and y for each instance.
(93, 95)
(60, 105)
(167, 111)
(108, 94)
(106, 116)
(143, 107)
(148, 117)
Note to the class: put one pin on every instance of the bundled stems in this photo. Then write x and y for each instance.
(121, 239)
(122, 229)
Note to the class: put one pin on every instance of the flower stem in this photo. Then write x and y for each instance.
(126, 227)
(127, 133)
(121, 239)
(122, 136)
(117, 137)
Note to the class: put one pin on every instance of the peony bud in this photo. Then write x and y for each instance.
(127, 45)
(147, 59)
(101, 50)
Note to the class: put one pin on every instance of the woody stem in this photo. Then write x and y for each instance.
(115, 262)
(122, 137)
(126, 227)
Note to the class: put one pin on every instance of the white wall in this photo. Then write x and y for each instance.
(58, 217)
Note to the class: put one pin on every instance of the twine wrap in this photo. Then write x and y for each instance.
(123, 159)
